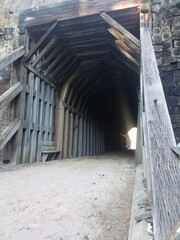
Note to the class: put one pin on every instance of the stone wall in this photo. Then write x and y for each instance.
(166, 40)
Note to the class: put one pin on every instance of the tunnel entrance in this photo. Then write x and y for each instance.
(93, 62)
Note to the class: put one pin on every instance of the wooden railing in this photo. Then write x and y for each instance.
(162, 166)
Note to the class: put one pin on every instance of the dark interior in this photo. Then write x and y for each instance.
(104, 81)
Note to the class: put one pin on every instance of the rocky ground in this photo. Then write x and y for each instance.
(77, 199)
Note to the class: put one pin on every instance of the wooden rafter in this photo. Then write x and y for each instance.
(124, 40)
(41, 41)
(44, 51)
(120, 28)
(126, 54)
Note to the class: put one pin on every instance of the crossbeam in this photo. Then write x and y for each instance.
(10, 94)
(9, 132)
(11, 57)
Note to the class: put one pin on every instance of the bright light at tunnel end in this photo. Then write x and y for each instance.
(132, 135)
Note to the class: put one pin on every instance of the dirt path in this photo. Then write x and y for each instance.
(78, 199)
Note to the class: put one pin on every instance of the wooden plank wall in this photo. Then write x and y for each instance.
(81, 135)
(39, 117)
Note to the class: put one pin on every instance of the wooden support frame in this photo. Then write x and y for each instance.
(11, 57)
(41, 41)
(9, 132)
(10, 94)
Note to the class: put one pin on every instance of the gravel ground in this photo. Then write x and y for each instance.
(77, 199)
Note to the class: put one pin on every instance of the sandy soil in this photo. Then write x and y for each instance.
(77, 199)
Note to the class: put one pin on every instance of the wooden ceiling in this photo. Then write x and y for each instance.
(76, 41)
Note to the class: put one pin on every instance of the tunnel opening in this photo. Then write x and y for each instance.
(96, 71)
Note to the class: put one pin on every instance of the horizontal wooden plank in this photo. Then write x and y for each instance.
(120, 28)
(9, 132)
(11, 57)
(10, 94)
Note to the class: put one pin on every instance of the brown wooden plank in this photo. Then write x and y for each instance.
(41, 41)
(120, 28)
(11, 57)
(123, 39)
(126, 54)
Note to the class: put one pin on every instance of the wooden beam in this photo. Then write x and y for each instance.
(126, 54)
(37, 73)
(9, 132)
(165, 165)
(120, 28)
(10, 94)
(124, 40)
(41, 41)
(11, 57)
(44, 51)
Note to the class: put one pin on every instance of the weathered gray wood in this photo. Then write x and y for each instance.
(61, 128)
(11, 57)
(9, 132)
(165, 169)
(71, 134)
(44, 51)
(10, 94)
(37, 73)
(120, 28)
(80, 137)
(40, 42)
(66, 134)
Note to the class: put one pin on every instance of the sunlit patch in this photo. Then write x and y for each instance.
(123, 5)
(132, 134)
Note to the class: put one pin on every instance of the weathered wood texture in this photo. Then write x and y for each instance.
(10, 94)
(11, 57)
(165, 166)
(9, 132)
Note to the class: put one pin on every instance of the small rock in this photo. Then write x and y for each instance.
(86, 237)
(108, 227)
(100, 212)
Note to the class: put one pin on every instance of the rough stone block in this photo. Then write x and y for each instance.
(176, 35)
(156, 8)
(157, 23)
(176, 21)
(158, 48)
(176, 51)
(166, 36)
(157, 39)
(165, 29)
(156, 30)
(166, 54)
(175, 11)
(177, 43)
(167, 45)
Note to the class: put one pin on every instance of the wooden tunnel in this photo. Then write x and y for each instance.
(82, 83)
